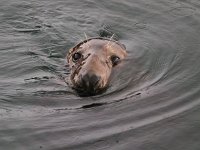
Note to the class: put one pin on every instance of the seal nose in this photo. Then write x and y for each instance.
(90, 81)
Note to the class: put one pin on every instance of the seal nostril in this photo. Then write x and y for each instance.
(90, 81)
(94, 79)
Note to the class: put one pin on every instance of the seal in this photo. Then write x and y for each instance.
(91, 63)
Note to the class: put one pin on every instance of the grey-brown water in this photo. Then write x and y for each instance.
(153, 102)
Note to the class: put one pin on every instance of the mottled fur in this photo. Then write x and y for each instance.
(96, 59)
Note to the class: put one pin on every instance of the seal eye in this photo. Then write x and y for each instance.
(115, 60)
(76, 57)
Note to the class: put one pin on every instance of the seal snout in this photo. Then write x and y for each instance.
(89, 84)
(90, 81)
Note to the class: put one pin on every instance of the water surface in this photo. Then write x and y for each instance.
(153, 102)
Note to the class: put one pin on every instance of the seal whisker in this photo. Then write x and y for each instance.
(86, 40)
(86, 37)
(111, 39)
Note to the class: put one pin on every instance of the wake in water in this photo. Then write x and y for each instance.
(151, 103)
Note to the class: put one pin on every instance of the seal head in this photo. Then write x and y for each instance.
(91, 63)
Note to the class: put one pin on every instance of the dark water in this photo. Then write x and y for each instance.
(153, 102)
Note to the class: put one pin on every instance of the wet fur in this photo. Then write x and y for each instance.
(97, 53)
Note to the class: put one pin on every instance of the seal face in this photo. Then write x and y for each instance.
(91, 63)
